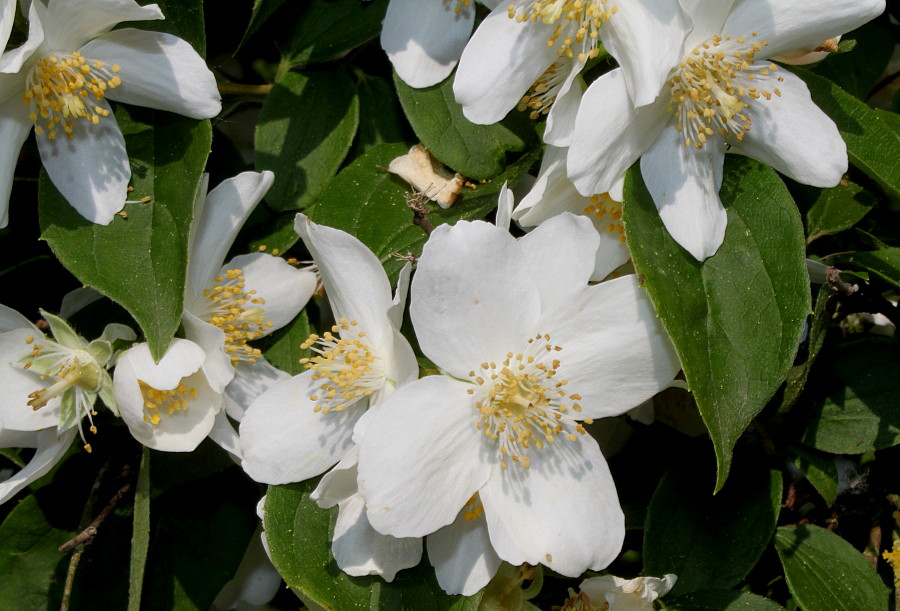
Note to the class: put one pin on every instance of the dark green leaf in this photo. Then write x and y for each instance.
(140, 538)
(872, 145)
(299, 535)
(262, 10)
(327, 29)
(138, 261)
(733, 360)
(818, 326)
(837, 209)
(859, 412)
(184, 19)
(475, 151)
(824, 572)
(282, 348)
(710, 542)
(305, 129)
(819, 470)
(720, 600)
(858, 71)
(380, 116)
(884, 263)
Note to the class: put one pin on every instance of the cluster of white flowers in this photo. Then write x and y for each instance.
(489, 460)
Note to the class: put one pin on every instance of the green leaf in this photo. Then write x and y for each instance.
(299, 536)
(859, 70)
(282, 348)
(327, 29)
(380, 116)
(29, 559)
(710, 542)
(818, 328)
(824, 572)
(262, 10)
(872, 145)
(859, 411)
(367, 201)
(884, 263)
(304, 131)
(733, 360)
(819, 470)
(837, 209)
(138, 261)
(140, 538)
(720, 600)
(184, 19)
(475, 151)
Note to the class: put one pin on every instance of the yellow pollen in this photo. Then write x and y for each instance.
(169, 402)
(345, 367)
(473, 508)
(59, 88)
(713, 85)
(460, 5)
(239, 314)
(606, 213)
(576, 23)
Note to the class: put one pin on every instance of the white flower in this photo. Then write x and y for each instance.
(302, 426)
(491, 454)
(58, 82)
(424, 38)
(553, 193)
(536, 49)
(616, 594)
(722, 93)
(49, 386)
(7, 17)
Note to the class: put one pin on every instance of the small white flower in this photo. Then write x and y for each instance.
(721, 93)
(613, 593)
(58, 83)
(491, 456)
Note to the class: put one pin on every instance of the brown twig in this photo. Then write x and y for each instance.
(91, 531)
(416, 202)
(857, 298)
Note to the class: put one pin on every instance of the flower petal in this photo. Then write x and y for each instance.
(18, 384)
(562, 511)
(339, 484)
(91, 169)
(552, 192)
(463, 558)
(786, 25)
(158, 71)
(472, 296)
(361, 550)
(285, 440)
(425, 39)
(211, 339)
(225, 436)
(612, 252)
(610, 134)
(14, 130)
(709, 18)
(436, 418)
(222, 214)
(11, 320)
(646, 37)
(249, 382)
(684, 182)
(7, 16)
(70, 23)
(792, 135)
(561, 118)
(50, 450)
(12, 61)
(615, 353)
(501, 62)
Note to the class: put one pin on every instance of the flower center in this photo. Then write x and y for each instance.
(159, 402)
(606, 213)
(522, 402)
(61, 88)
(713, 85)
(70, 368)
(582, 602)
(543, 92)
(345, 368)
(460, 5)
(238, 314)
(577, 23)
(473, 508)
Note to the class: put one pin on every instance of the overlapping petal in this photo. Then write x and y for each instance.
(50, 450)
(69, 23)
(462, 555)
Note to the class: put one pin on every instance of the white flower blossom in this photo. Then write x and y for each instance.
(58, 83)
(721, 93)
(616, 594)
(490, 459)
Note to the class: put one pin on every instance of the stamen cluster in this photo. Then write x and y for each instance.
(460, 5)
(604, 207)
(542, 95)
(577, 23)
(238, 314)
(157, 402)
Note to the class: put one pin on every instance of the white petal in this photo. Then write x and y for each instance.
(786, 24)
(792, 135)
(562, 511)
(505, 203)
(18, 384)
(684, 182)
(646, 37)
(91, 169)
(354, 280)
(10, 320)
(561, 118)
(435, 418)
(284, 289)
(500, 64)
(158, 71)
(70, 23)
(425, 39)
(472, 297)
(339, 484)
(611, 253)
(249, 382)
(14, 129)
(463, 558)
(7, 16)
(552, 192)
(361, 550)
(401, 295)
(285, 440)
(211, 339)
(709, 18)
(610, 134)
(222, 215)
(560, 255)
(615, 352)
(225, 436)
(50, 449)
(12, 61)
